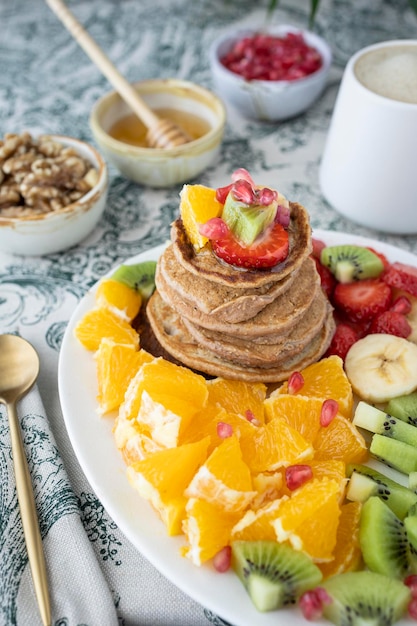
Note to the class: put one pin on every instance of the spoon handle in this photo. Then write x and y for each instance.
(29, 516)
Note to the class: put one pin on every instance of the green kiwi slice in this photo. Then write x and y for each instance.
(360, 598)
(140, 276)
(376, 421)
(247, 222)
(349, 262)
(384, 542)
(404, 407)
(366, 482)
(397, 454)
(410, 523)
(274, 574)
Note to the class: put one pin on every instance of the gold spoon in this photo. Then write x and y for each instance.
(19, 368)
(162, 133)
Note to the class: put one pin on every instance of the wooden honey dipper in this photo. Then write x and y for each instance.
(162, 133)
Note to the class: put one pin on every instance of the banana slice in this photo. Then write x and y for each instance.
(381, 367)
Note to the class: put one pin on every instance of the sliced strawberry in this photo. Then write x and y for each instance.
(270, 249)
(402, 304)
(402, 276)
(344, 337)
(318, 246)
(362, 299)
(328, 281)
(392, 323)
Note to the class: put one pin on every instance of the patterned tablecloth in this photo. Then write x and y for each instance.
(48, 85)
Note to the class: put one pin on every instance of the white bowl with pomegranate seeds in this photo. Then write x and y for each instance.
(270, 75)
(53, 191)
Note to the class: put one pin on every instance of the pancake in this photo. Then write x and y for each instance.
(272, 321)
(225, 304)
(261, 355)
(171, 333)
(204, 264)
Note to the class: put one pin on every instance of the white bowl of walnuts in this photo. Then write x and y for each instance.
(53, 191)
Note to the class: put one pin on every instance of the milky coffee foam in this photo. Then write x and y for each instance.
(390, 72)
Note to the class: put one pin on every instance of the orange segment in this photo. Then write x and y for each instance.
(98, 324)
(164, 396)
(224, 478)
(275, 445)
(118, 298)
(341, 441)
(133, 442)
(256, 525)
(269, 485)
(238, 396)
(326, 379)
(207, 528)
(198, 204)
(307, 509)
(300, 412)
(162, 477)
(347, 553)
(116, 364)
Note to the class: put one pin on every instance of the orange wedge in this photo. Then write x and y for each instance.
(347, 553)
(238, 397)
(300, 412)
(118, 298)
(198, 204)
(101, 323)
(341, 441)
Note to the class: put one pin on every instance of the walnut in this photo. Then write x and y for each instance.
(40, 176)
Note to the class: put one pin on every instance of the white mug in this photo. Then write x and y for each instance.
(368, 172)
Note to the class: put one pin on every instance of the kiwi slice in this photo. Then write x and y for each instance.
(366, 482)
(410, 523)
(404, 407)
(140, 276)
(397, 454)
(384, 542)
(247, 222)
(349, 262)
(274, 574)
(376, 421)
(360, 598)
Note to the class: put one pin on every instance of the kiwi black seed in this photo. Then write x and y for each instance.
(274, 574)
(404, 407)
(365, 597)
(366, 482)
(349, 262)
(384, 542)
(139, 276)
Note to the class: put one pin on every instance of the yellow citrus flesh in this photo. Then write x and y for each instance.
(300, 412)
(101, 323)
(118, 298)
(340, 440)
(238, 397)
(256, 524)
(198, 204)
(347, 552)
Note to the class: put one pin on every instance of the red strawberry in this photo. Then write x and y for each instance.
(362, 299)
(318, 246)
(328, 281)
(402, 305)
(392, 323)
(402, 276)
(271, 248)
(344, 337)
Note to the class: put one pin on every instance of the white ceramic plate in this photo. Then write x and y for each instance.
(93, 443)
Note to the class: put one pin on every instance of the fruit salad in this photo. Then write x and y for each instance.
(273, 482)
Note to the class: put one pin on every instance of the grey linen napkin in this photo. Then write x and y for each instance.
(78, 590)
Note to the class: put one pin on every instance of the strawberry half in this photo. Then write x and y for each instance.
(362, 299)
(392, 323)
(268, 250)
(402, 276)
(343, 339)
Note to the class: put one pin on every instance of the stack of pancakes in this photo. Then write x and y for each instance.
(251, 325)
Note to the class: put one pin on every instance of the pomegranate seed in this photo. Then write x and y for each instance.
(214, 228)
(297, 475)
(223, 559)
(401, 305)
(242, 174)
(412, 608)
(311, 603)
(243, 191)
(224, 430)
(283, 215)
(222, 193)
(266, 196)
(329, 410)
(295, 382)
(411, 581)
(251, 418)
